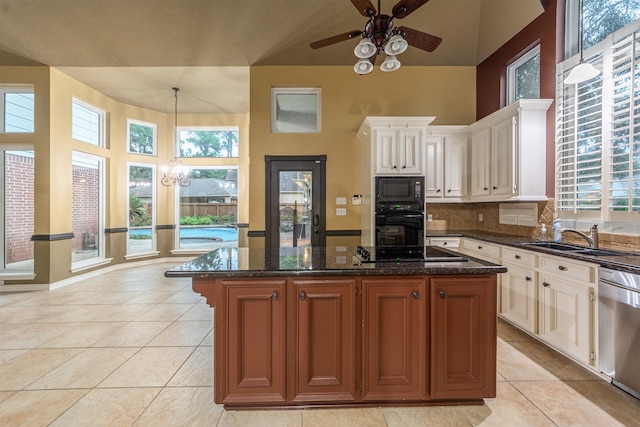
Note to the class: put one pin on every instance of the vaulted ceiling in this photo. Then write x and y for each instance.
(135, 51)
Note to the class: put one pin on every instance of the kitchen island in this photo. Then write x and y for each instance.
(321, 326)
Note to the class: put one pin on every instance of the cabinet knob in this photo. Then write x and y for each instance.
(415, 294)
(545, 284)
(449, 191)
(517, 256)
(495, 188)
(303, 295)
(479, 247)
(395, 167)
(404, 167)
(527, 278)
(274, 296)
(444, 243)
(486, 188)
(442, 294)
(562, 268)
(438, 190)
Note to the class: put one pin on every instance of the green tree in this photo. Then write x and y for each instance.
(601, 18)
(140, 139)
(137, 209)
(194, 143)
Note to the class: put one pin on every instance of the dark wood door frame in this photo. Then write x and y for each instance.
(273, 166)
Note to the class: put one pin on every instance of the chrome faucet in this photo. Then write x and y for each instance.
(591, 238)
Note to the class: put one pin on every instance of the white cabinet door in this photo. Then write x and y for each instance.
(480, 163)
(433, 180)
(565, 316)
(502, 162)
(455, 166)
(519, 297)
(387, 150)
(410, 151)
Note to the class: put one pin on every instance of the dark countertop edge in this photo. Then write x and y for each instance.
(390, 271)
(613, 262)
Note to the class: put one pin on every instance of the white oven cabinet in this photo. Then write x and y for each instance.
(508, 151)
(446, 163)
(567, 290)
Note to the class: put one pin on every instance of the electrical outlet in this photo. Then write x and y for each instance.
(341, 259)
(341, 200)
(341, 211)
(480, 217)
(429, 217)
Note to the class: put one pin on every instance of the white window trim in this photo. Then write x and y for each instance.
(295, 91)
(101, 122)
(154, 241)
(153, 126)
(4, 89)
(511, 71)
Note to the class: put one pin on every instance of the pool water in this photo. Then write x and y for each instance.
(225, 234)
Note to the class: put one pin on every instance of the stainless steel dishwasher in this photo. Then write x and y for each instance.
(619, 328)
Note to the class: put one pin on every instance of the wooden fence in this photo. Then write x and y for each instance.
(204, 209)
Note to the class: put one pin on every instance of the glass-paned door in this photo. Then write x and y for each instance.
(295, 207)
(87, 204)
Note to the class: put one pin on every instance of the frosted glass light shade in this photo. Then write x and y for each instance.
(365, 49)
(581, 73)
(390, 64)
(364, 66)
(396, 45)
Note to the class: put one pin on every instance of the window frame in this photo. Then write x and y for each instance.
(154, 128)
(511, 72)
(100, 114)
(315, 91)
(17, 89)
(154, 241)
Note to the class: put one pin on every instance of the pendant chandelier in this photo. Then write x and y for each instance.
(175, 173)
(584, 70)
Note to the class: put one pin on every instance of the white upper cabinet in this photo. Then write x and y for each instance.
(508, 153)
(398, 144)
(446, 163)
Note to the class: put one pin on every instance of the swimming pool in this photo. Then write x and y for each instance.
(224, 234)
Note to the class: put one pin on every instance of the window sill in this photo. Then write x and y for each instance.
(142, 255)
(90, 263)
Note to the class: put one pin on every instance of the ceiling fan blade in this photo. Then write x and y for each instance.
(335, 39)
(419, 39)
(364, 7)
(405, 7)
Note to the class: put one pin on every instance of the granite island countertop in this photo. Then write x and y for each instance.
(316, 261)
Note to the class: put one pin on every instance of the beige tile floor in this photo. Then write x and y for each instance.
(131, 347)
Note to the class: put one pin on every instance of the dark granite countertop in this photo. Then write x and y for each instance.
(315, 261)
(622, 261)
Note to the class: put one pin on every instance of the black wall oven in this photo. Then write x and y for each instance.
(400, 216)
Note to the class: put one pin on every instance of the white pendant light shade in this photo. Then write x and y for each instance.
(364, 66)
(581, 73)
(396, 45)
(390, 64)
(365, 49)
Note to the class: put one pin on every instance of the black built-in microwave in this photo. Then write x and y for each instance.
(398, 189)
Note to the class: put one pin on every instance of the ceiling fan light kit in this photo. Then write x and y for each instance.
(380, 35)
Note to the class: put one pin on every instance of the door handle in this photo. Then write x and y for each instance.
(316, 220)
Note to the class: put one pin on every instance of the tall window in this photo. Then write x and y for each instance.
(208, 209)
(523, 77)
(17, 213)
(87, 209)
(87, 123)
(141, 137)
(142, 202)
(208, 142)
(16, 109)
(598, 132)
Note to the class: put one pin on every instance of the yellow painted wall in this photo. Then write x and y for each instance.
(347, 98)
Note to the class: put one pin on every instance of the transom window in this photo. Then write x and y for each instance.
(141, 137)
(87, 123)
(207, 142)
(17, 109)
(523, 77)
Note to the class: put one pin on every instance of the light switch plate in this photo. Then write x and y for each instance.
(341, 200)
(356, 200)
(341, 211)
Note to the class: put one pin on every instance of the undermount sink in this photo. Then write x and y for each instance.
(581, 250)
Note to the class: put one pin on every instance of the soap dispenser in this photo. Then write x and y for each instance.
(543, 233)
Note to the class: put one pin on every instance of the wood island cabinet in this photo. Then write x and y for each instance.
(463, 337)
(353, 340)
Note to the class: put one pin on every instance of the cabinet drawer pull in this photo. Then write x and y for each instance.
(303, 295)
(442, 294)
(528, 279)
(517, 256)
(479, 247)
(415, 294)
(562, 268)
(274, 296)
(444, 243)
(545, 284)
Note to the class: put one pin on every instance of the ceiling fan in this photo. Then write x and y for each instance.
(380, 35)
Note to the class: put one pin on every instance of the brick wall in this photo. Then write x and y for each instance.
(19, 207)
(84, 205)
